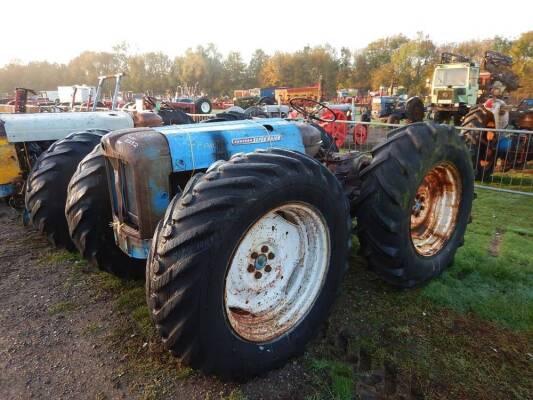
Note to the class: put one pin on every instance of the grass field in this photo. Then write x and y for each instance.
(466, 335)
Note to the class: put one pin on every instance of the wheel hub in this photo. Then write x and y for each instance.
(260, 261)
(276, 272)
(435, 209)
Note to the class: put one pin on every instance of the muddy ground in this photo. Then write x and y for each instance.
(68, 331)
(61, 336)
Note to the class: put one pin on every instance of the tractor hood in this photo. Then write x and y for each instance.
(55, 126)
(197, 146)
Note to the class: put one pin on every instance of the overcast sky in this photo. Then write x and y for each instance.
(59, 30)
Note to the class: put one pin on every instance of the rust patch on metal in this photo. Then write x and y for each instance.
(435, 209)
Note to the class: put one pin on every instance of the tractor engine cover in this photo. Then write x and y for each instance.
(141, 163)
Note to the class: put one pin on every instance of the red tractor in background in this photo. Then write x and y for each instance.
(333, 119)
(340, 129)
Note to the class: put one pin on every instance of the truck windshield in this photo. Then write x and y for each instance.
(450, 77)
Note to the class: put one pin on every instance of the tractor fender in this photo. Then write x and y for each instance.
(56, 126)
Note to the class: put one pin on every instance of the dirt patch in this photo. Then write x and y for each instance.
(46, 346)
(64, 333)
(496, 242)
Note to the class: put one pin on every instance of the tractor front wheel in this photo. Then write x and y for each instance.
(46, 187)
(415, 202)
(247, 262)
(89, 217)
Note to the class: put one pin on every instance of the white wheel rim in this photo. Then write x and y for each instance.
(277, 272)
(204, 107)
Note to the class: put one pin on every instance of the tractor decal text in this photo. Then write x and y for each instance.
(256, 139)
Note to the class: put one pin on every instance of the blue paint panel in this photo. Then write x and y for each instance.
(160, 198)
(140, 253)
(197, 146)
(6, 190)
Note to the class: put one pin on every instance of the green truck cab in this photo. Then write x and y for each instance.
(454, 89)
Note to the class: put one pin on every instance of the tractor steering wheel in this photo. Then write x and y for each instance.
(302, 104)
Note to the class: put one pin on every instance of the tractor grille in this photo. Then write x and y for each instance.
(128, 189)
(445, 95)
(122, 188)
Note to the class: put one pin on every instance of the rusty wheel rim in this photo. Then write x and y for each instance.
(277, 272)
(435, 209)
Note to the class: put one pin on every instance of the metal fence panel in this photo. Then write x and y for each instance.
(504, 163)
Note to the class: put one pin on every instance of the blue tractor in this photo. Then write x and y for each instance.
(243, 228)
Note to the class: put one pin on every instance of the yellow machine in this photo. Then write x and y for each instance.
(10, 173)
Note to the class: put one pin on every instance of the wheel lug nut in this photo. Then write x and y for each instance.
(251, 268)
(264, 249)
(254, 255)
(270, 256)
(268, 268)
(258, 275)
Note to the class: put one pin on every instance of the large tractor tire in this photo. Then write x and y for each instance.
(175, 117)
(247, 262)
(46, 187)
(89, 216)
(203, 105)
(415, 203)
(228, 116)
(482, 145)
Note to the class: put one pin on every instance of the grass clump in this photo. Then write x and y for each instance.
(61, 308)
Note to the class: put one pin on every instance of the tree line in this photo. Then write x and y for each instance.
(391, 61)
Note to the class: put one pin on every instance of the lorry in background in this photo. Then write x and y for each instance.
(459, 84)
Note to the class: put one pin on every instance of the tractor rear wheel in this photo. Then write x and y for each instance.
(89, 216)
(482, 145)
(415, 202)
(247, 262)
(46, 187)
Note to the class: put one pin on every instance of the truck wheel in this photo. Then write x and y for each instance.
(89, 216)
(482, 145)
(203, 105)
(415, 202)
(46, 187)
(247, 262)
